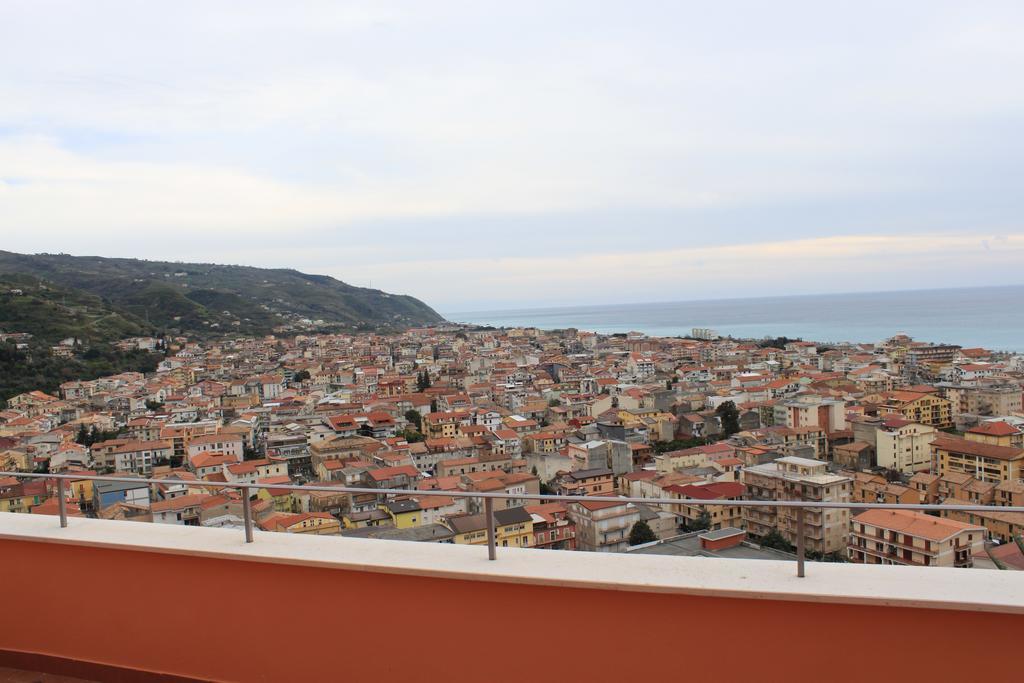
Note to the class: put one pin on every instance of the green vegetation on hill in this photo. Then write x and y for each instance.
(36, 368)
(207, 299)
(97, 301)
(51, 313)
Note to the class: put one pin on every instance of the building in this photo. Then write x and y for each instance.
(404, 514)
(984, 462)
(900, 444)
(793, 478)
(988, 400)
(693, 514)
(927, 358)
(924, 408)
(727, 543)
(552, 527)
(913, 538)
(138, 457)
(856, 455)
(811, 410)
(107, 493)
(1003, 526)
(599, 481)
(996, 433)
(316, 523)
(614, 455)
(513, 528)
(603, 526)
(184, 509)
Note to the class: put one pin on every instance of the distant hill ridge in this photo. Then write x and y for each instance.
(107, 298)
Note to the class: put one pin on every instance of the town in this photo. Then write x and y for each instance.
(454, 409)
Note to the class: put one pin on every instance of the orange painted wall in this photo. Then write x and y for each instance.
(294, 624)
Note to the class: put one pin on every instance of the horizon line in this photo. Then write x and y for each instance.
(730, 298)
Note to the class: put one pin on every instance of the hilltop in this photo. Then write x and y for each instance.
(122, 297)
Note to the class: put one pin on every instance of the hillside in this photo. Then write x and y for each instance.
(208, 299)
(51, 313)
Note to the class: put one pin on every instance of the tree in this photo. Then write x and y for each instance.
(678, 444)
(412, 436)
(82, 437)
(423, 381)
(729, 416)
(413, 417)
(702, 523)
(773, 539)
(553, 403)
(641, 533)
(300, 376)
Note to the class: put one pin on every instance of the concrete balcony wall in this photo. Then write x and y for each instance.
(201, 603)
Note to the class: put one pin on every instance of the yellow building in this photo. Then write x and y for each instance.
(984, 462)
(14, 461)
(444, 425)
(283, 500)
(927, 409)
(80, 489)
(659, 425)
(321, 523)
(404, 514)
(513, 528)
(16, 496)
(996, 434)
(365, 518)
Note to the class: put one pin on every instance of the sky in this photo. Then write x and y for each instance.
(489, 155)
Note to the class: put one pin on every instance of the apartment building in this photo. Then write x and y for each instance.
(718, 516)
(985, 400)
(904, 445)
(924, 408)
(811, 410)
(985, 462)
(905, 537)
(603, 526)
(996, 433)
(793, 478)
(552, 527)
(1003, 526)
(513, 528)
(599, 481)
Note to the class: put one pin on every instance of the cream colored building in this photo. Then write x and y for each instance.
(793, 478)
(904, 446)
(912, 538)
(985, 462)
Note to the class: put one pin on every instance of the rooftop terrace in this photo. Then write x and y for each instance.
(124, 600)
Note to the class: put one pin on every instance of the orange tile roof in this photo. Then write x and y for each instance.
(915, 523)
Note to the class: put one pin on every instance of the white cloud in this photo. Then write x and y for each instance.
(297, 136)
(829, 264)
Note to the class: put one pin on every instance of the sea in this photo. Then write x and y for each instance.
(989, 317)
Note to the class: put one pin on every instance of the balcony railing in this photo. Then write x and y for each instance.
(489, 498)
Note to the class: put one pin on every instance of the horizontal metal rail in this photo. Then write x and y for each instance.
(800, 505)
(200, 483)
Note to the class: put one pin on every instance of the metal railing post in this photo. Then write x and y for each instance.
(492, 544)
(800, 542)
(62, 503)
(247, 514)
